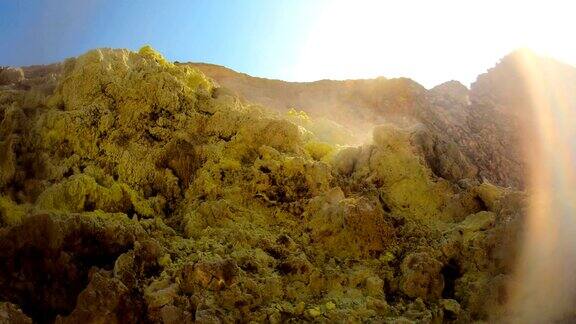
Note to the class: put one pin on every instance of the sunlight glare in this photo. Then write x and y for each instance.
(441, 40)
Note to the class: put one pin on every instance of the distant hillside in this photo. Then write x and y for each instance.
(486, 122)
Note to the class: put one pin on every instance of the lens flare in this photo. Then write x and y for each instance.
(545, 285)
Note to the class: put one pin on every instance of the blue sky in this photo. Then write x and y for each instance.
(258, 37)
(296, 40)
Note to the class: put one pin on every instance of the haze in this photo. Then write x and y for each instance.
(428, 41)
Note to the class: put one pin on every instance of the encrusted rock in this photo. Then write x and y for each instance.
(479, 221)
(135, 190)
(450, 306)
(214, 275)
(421, 277)
(10, 313)
(11, 75)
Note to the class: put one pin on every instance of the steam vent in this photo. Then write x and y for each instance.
(138, 190)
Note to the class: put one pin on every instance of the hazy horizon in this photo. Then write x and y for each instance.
(295, 40)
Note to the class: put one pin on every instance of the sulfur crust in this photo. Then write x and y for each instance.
(243, 214)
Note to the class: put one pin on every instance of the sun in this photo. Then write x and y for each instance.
(429, 41)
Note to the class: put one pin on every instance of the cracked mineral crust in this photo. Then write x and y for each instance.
(134, 190)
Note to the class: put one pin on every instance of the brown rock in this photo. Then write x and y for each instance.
(421, 277)
(215, 275)
(10, 313)
(11, 75)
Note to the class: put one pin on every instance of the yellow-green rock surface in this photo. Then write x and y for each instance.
(136, 190)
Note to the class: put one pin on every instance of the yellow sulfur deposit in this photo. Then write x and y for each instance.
(139, 180)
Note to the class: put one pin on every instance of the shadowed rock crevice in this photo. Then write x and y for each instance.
(44, 272)
(451, 272)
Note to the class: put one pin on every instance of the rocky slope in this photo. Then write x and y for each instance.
(137, 190)
(490, 123)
